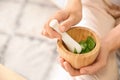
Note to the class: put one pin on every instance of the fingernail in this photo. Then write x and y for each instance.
(63, 28)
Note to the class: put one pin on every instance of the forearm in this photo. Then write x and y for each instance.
(112, 40)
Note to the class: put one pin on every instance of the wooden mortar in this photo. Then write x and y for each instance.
(79, 60)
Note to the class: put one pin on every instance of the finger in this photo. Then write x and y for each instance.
(52, 33)
(61, 61)
(65, 25)
(45, 33)
(72, 71)
(61, 15)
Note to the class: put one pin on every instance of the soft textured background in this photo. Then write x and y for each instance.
(22, 47)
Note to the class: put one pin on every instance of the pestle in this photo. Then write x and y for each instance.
(69, 42)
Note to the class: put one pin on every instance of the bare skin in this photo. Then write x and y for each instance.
(70, 16)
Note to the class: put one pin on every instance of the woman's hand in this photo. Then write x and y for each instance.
(67, 17)
(100, 62)
(109, 43)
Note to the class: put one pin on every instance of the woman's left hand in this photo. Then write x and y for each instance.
(109, 43)
(100, 62)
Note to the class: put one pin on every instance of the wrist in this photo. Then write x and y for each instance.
(107, 45)
(112, 39)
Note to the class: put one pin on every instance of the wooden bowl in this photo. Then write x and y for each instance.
(79, 60)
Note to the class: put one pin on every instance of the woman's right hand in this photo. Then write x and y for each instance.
(66, 18)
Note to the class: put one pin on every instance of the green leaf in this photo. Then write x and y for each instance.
(90, 42)
(83, 44)
(75, 50)
(87, 50)
(87, 45)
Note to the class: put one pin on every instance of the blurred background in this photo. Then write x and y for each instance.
(22, 47)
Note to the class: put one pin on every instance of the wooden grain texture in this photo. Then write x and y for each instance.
(79, 60)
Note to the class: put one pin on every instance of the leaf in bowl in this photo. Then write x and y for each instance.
(90, 42)
(87, 45)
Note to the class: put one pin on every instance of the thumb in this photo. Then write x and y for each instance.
(88, 70)
(92, 68)
(66, 24)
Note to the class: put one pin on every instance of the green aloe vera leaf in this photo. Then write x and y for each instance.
(87, 45)
(90, 42)
(85, 50)
(83, 44)
(75, 50)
